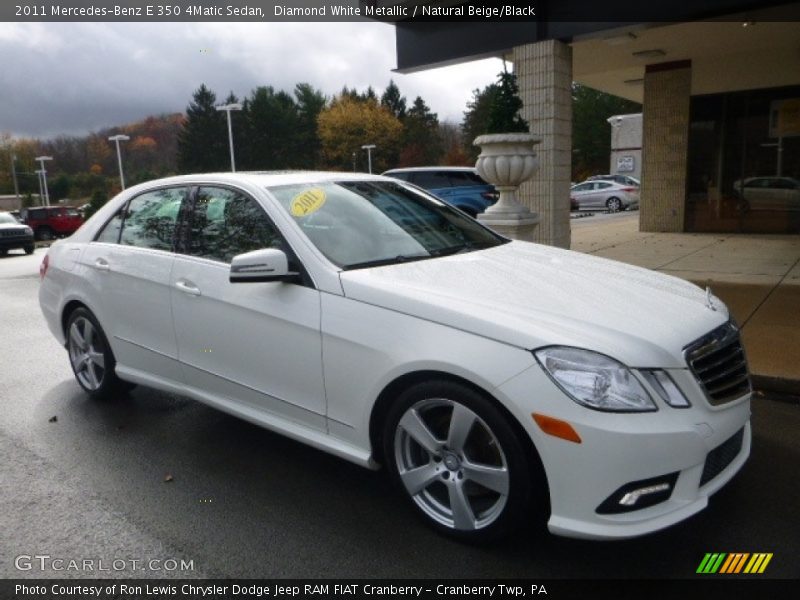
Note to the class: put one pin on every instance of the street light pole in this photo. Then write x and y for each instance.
(41, 189)
(228, 108)
(41, 160)
(368, 148)
(117, 139)
(14, 174)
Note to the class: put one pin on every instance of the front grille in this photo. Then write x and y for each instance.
(719, 364)
(12, 232)
(721, 456)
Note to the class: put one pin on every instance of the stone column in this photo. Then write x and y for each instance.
(665, 145)
(544, 75)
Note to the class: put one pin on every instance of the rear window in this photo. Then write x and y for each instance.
(462, 178)
(430, 180)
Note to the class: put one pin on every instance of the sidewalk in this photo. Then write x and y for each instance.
(757, 276)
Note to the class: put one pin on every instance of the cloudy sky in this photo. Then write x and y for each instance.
(73, 78)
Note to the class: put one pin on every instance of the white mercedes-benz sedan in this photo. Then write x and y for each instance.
(494, 379)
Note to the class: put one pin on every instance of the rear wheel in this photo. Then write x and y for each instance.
(459, 461)
(90, 356)
(613, 204)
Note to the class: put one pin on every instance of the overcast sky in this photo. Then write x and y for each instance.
(73, 78)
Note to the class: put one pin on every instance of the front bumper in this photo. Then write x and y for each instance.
(617, 449)
(15, 241)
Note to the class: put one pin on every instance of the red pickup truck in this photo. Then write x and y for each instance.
(49, 222)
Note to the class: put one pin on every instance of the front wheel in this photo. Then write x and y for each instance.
(459, 461)
(29, 249)
(613, 205)
(91, 357)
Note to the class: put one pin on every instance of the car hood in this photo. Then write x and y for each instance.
(6, 226)
(530, 295)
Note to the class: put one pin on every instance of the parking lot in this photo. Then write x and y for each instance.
(156, 476)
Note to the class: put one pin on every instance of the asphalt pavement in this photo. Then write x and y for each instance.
(156, 477)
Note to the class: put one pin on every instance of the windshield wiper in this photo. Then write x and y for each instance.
(459, 248)
(400, 258)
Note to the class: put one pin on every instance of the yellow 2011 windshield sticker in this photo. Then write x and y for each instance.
(307, 202)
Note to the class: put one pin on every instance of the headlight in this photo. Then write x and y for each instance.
(28, 231)
(595, 380)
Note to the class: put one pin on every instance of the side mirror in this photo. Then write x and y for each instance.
(268, 264)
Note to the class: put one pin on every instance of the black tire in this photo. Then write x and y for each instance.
(29, 249)
(614, 204)
(448, 477)
(91, 358)
(3, 251)
(45, 233)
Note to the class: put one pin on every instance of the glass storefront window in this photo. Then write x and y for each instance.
(744, 162)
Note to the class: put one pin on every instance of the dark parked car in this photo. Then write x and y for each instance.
(14, 234)
(461, 187)
(49, 222)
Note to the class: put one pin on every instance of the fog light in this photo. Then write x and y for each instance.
(639, 494)
(632, 498)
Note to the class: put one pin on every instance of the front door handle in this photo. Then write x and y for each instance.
(101, 264)
(188, 287)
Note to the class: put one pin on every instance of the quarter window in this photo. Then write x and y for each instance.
(150, 219)
(110, 233)
(225, 223)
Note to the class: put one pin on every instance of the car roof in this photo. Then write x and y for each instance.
(258, 178)
(422, 169)
(269, 177)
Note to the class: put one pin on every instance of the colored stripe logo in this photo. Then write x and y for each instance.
(734, 563)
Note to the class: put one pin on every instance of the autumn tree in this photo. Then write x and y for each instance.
(347, 124)
(203, 139)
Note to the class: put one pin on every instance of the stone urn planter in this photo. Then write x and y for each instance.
(506, 160)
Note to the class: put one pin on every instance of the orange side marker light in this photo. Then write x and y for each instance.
(556, 427)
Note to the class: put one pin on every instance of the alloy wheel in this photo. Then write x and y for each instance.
(87, 353)
(451, 464)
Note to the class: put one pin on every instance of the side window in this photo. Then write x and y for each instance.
(431, 180)
(602, 186)
(110, 233)
(150, 219)
(402, 176)
(225, 223)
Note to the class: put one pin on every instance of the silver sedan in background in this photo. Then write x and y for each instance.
(605, 195)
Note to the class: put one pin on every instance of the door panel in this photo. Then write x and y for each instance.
(255, 343)
(131, 271)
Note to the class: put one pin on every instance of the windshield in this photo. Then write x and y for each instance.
(358, 224)
(8, 219)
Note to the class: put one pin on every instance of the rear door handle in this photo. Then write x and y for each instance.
(101, 264)
(188, 287)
